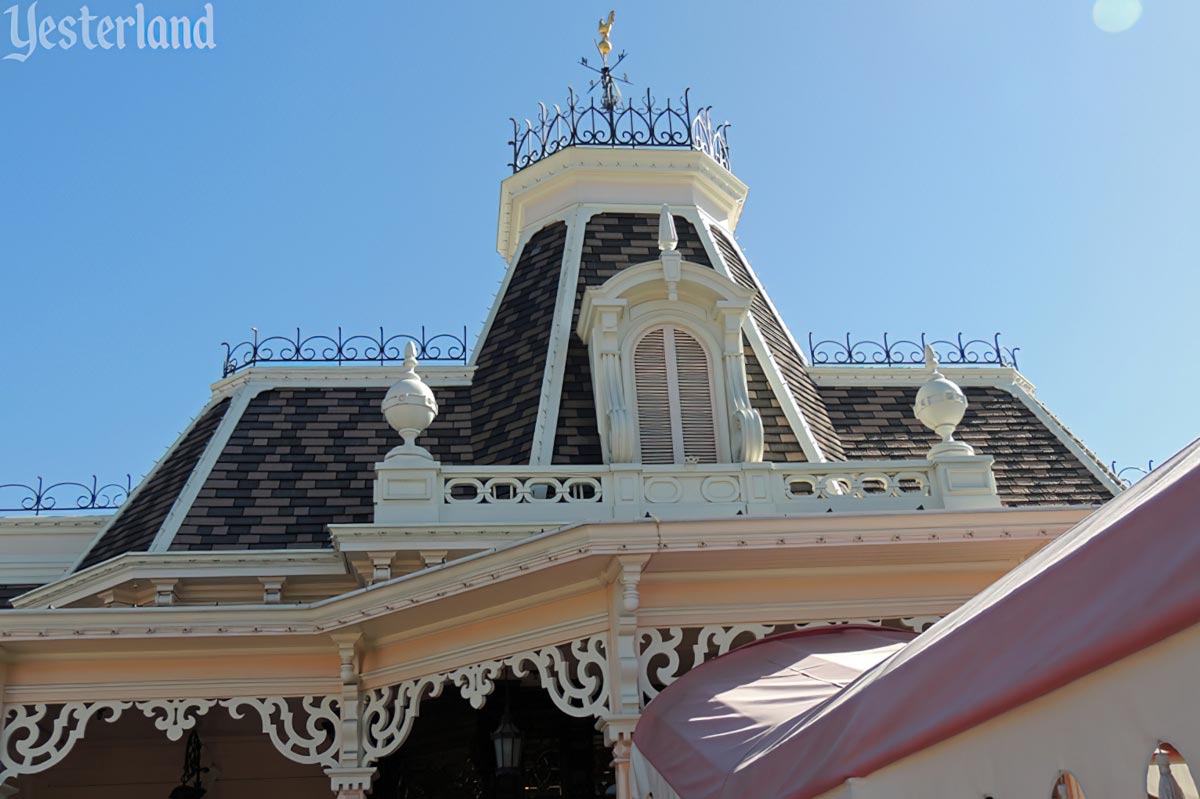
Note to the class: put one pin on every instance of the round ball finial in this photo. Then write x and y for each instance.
(409, 405)
(940, 403)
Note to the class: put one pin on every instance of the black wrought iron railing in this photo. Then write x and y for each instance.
(1128, 475)
(644, 123)
(958, 351)
(41, 497)
(339, 349)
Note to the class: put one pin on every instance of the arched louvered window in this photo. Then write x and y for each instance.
(673, 382)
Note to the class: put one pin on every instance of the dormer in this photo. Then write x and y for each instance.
(665, 344)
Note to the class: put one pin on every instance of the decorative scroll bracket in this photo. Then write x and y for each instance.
(32, 741)
(575, 675)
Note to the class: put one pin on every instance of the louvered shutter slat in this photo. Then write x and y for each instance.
(676, 415)
(695, 399)
(653, 398)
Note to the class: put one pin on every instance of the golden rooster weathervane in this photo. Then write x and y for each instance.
(608, 82)
(604, 45)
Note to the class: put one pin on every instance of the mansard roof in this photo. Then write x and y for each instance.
(302, 458)
(279, 454)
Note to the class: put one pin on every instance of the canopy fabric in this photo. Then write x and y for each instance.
(723, 713)
(1119, 581)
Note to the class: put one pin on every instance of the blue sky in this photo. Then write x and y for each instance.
(931, 165)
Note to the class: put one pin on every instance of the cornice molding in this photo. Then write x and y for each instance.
(335, 376)
(51, 525)
(535, 554)
(181, 565)
(613, 177)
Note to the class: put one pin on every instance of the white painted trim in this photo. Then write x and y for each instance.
(208, 459)
(183, 565)
(606, 176)
(353, 538)
(137, 490)
(289, 376)
(788, 402)
(1005, 377)
(550, 550)
(19, 525)
(39, 549)
(546, 428)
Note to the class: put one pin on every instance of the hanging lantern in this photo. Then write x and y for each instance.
(189, 784)
(507, 742)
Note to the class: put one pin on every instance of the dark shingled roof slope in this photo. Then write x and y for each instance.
(785, 354)
(1033, 467)
(137, 523)
(781, 443)
(303, 458)
(611, 242)
(508, 375)
(8, 592)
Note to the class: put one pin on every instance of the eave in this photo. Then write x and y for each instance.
(561, 558)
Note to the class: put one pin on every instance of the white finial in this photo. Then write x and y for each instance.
(940, 406)
(668, 239)
(931, 361)
(409, 406)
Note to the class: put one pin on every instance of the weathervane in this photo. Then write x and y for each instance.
(608, 81)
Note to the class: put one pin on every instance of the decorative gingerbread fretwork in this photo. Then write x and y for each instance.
(36, 737)
(175, 716)
(574, 674)
(313, 739)
(578, 689)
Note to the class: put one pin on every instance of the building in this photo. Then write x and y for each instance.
(413, 578)
(1073, 673)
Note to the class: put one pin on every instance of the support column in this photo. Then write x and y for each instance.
(625, 575)
(618, 734)
(350, 779)
(624, 693)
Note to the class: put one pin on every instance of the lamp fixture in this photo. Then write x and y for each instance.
(190, 786)
(506, 740)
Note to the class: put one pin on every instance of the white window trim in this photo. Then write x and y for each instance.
(708, 305)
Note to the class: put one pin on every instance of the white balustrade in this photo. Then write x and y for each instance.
(625, 492)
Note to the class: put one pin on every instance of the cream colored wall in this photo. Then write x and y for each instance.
(198, 669)
(1102, 728)
(792, 595)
